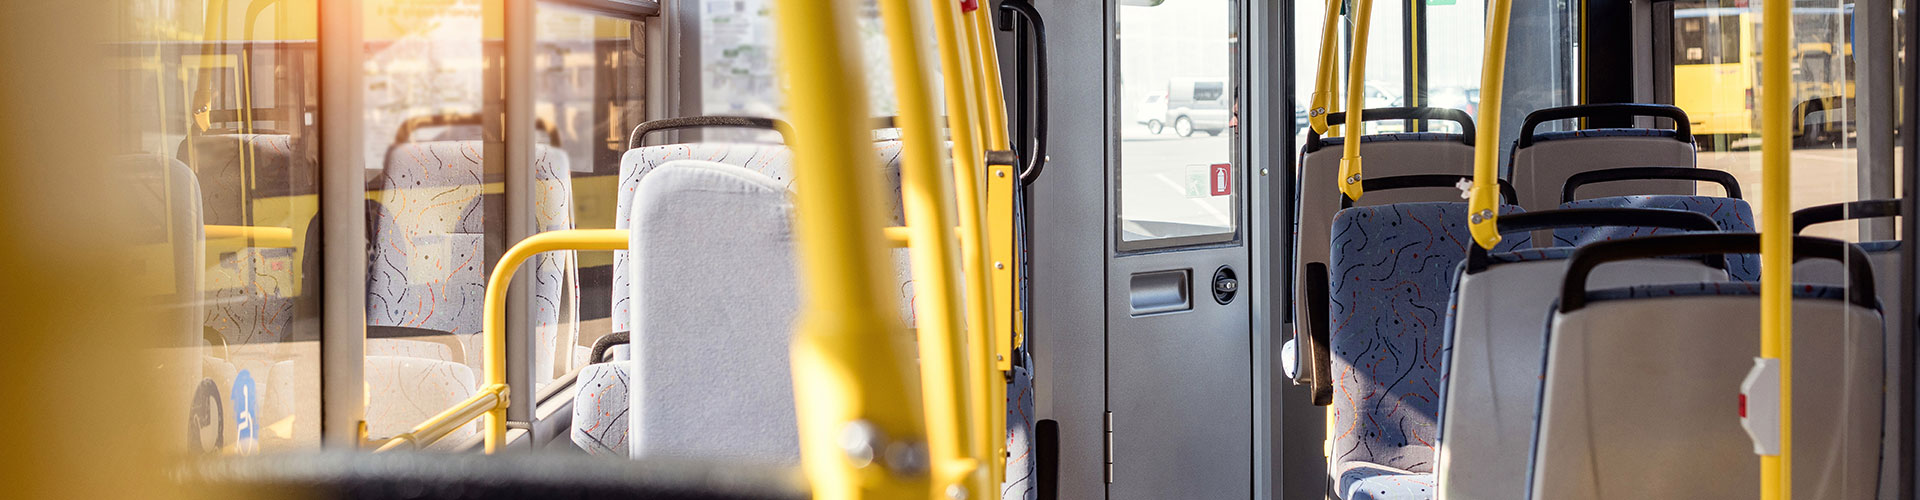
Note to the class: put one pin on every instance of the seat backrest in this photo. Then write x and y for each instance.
(1638, 399)
(600, 409)
(1318, 197)
(1494, 341)
(708, 380)
(429, 257)
(1731, 214)
(249, 291)
(1542, 162)
(411, 390)
(1391, 268)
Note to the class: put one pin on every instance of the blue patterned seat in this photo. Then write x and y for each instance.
(1392, 268)
(1731, 214)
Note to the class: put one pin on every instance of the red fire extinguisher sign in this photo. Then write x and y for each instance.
(1222, 179)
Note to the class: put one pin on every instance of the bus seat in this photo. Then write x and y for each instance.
(1885, 257)
(1318, 199)
(429, 263)
(1540, 163)
(1494, 343)
(415, 390)
(1639, 399)
(1391, 267)
(1733, 215)
(600, 408)
(249, 291)
(710, 381)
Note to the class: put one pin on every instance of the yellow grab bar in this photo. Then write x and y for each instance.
(1356, 99)
(925, 188)
(491, 401)
(490, 397)
(1324, 75)
(856, 390)
(999, 240)
(260, 236)
(1483, 203)
(968, 162)
(1776, 233)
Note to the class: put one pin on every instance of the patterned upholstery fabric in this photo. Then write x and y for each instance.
(1372, 482)
(1392, 267)
(418, 389)
(1732, 215)
(428, 264)
(250, 291)
(600, 409)
(1021, 466)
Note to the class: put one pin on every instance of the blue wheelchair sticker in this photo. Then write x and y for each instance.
(245, 398)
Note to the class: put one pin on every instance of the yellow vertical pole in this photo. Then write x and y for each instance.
(955, 61)
(1356, 99)
(999, 230)
(1483, 204)
(932, 249)
(1776, 232)
(853, 375)
(1324, 76)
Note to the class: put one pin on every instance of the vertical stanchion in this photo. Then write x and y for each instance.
(925, 188)
(968, 163)
(1482, 205)
(999, 239)
(1356, 100)
(856, 393)
(1324, 76)
(1776, 233)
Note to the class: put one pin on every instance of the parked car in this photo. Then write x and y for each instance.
(1197, 104)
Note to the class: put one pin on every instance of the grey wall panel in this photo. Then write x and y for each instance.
(1070, 231)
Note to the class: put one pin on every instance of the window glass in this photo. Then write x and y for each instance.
(1177, 172)
(436, 210)
(1716, 74)
(590, 92)
(220, 107)
(738, 70)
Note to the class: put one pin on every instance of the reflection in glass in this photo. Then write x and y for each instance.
(219, 104)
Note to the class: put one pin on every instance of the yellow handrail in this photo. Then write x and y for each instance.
(1356, 99)
(491, 401)
(260, 236)
(999, 241)
(855, 387)
(968, 162)
(933, 251)
(1776, 233)
(1324, 75)
(1483, 203)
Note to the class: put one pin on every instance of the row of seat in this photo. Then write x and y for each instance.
(708, 293)
(1431, 350)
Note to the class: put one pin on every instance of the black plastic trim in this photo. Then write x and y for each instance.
(1836, 212)
(640, 131)
(1402, 113)
(1417, 181)
(1479, 260)
(1725, 180)
(1684, 130)
(1573, 291)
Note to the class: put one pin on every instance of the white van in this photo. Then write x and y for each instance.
(1198, 104)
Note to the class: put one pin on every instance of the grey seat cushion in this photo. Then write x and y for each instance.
(1639, 396)
(713, 314)
(1539, 171)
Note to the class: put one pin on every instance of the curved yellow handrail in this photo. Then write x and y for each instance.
(856, 390)
(1776, 233)
(491, 400)
(933, 250)
(1356, 100)
(1324, 75)
(1483, 203)
(956, 65)
(998, 236)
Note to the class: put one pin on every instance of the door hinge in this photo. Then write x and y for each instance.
(1109, 426)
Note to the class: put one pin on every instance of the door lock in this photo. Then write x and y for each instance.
(1225, 285)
